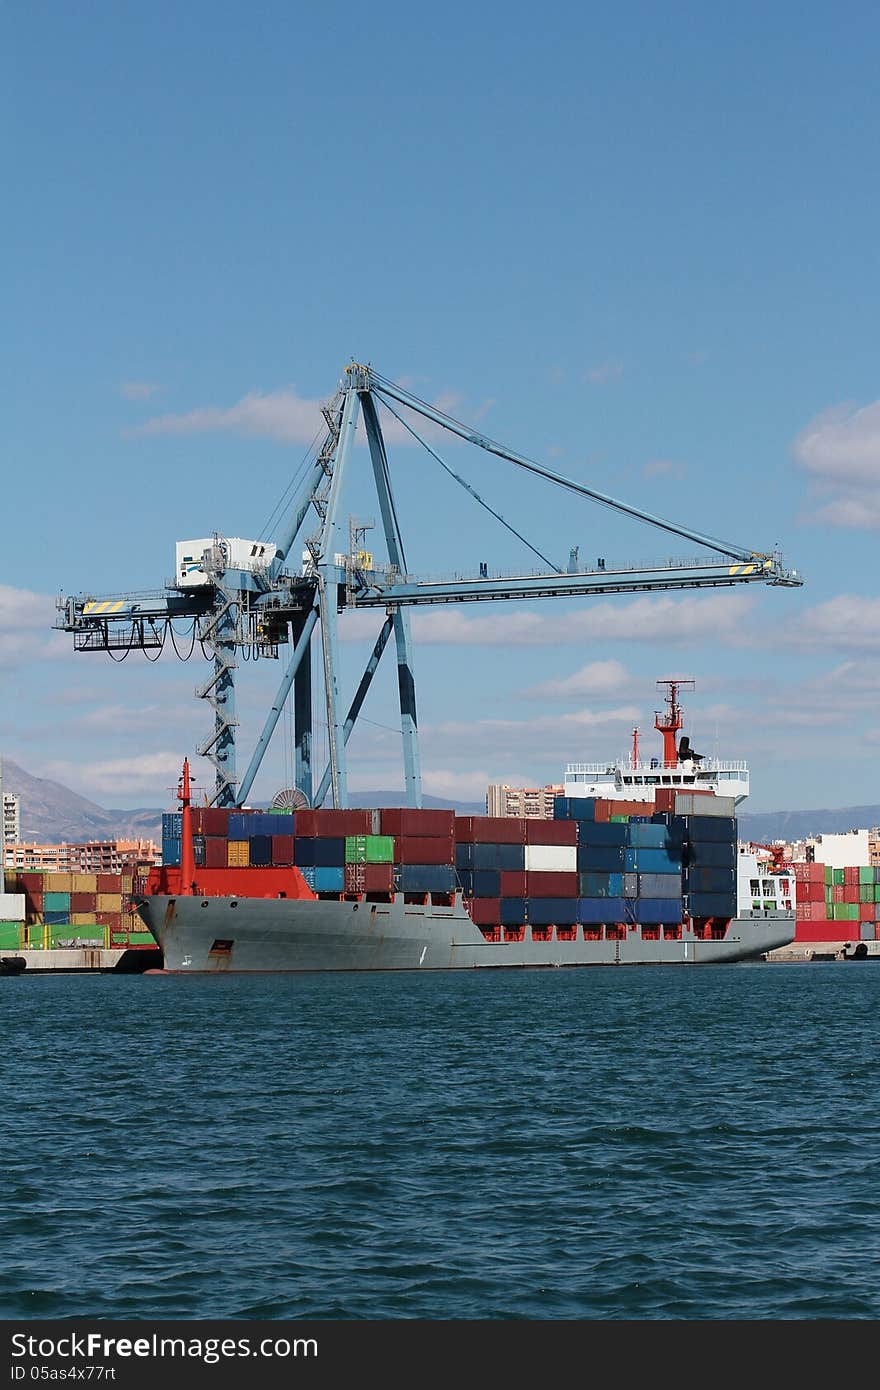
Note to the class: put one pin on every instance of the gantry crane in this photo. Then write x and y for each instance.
(249, 596)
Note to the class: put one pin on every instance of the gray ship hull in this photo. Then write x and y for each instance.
(282, 935)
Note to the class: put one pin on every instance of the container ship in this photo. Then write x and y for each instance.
(655, 878)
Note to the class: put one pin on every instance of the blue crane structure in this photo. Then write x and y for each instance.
(243, 596)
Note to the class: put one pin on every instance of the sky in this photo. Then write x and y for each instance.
(638, 243)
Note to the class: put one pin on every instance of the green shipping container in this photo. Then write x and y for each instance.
(877, 892)
(280, 811)
(380, 849)
(56, 902)
(36, 936)
(11, 936)
(619, 820)
(838, 877)
(866, 892)
(866, 874)
(829, 874)
(355, 849)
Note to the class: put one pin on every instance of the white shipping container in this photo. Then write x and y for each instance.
(11, 907)
(561, 859)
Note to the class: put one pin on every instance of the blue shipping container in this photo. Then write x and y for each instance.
(487, 883)
(561, 911)
(712, 828)
(513, 912)
(261, 849)
(598, 885)
(329, 880)
(652, 911)
(574, 807)
(426, 878)
(712, 854)
(651, 861)
(170, 851)
(712, 904)
(602, 832)
(308, 872)
(465, 879)
(329, 852)
(172, 825)
(464, 856)
(602, 858)
(603, 910)
(710, 880)
(643, 834)
(304, 851)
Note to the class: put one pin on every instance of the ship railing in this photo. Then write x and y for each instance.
(655, 769)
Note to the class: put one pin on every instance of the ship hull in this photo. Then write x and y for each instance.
(256, 935)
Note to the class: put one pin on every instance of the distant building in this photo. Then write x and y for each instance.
(90, 857)
(11, 819)
(534, 802)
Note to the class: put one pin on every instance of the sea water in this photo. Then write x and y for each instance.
(598, 1143)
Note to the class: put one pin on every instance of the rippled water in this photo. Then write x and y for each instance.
(598, 1143)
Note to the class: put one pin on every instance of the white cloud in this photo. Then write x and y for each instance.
(840, 450)
(596, 678)
(662, 619)
(289, 418)
(604, 372)
(664, 468)
(26, 633)
(152, 773)
(847, 621)
(456, 786)
(138, 390)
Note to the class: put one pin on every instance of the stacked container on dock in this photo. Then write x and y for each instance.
(836, 904)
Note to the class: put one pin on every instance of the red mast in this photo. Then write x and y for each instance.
(187, 856)
(635, 753)
(671, 720)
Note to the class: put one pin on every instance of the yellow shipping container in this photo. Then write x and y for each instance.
(82, 919)
(108, 902)
(238, 853)
(84, 883)
(58, 883)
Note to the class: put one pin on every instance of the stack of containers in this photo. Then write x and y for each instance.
(210, 829)
(837, 904)
(12, 916)
(490, 870)
(319, 846)
(63, 909)
(709, 835)
(424, 849)
(369, 864)
(172, 826)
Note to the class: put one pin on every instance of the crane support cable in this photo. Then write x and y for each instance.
(385, 388)
(466, 485)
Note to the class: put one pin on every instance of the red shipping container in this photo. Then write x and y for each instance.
(405, 821)
(551, 832)
(801, 872)
(216, 852)
(545, 884)
(486, 912)
(601, 811)
(802, 911)
(378, 878)
(282, 849)
(490, 830)
(109, 883)
(423, 849)
(826, 931)
(513, 883)
(632, 808)
(215, 820)
(837, 891)
(82, 902)
(816, 892)
(851, 893)
(817, 872)
(333, 824)
(29, 883)
(867, 912)
(114, 920)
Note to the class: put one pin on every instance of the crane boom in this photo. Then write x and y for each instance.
(254, 608)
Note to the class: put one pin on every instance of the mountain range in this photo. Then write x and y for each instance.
(52, 813)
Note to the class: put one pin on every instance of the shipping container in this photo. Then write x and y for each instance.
(108, 902)
(495, 830)
(329, 879)
(602, 833)
(668, 885)
(651, 861)
(216, 853)
(513, 883)
(83, 902)
(646, 835)
(486, 883)
(600, 858)
(282, 849)
(547, 911)
(261, 849)
(552, 858)
(425, 849)
(238, 853)
(333, 823)
(406, 821)
(653, 911)
(215, 820)
(574, 807)
(171, 851)
(485, 911)
(426, 878)
(551, 832)
(603, 910)
(56, 902)
(513, 911)
(551, 885)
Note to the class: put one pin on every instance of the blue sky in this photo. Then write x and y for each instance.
(636, 242)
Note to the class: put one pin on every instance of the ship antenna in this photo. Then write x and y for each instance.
(635, 752)
(187, 854)
(669, 722)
